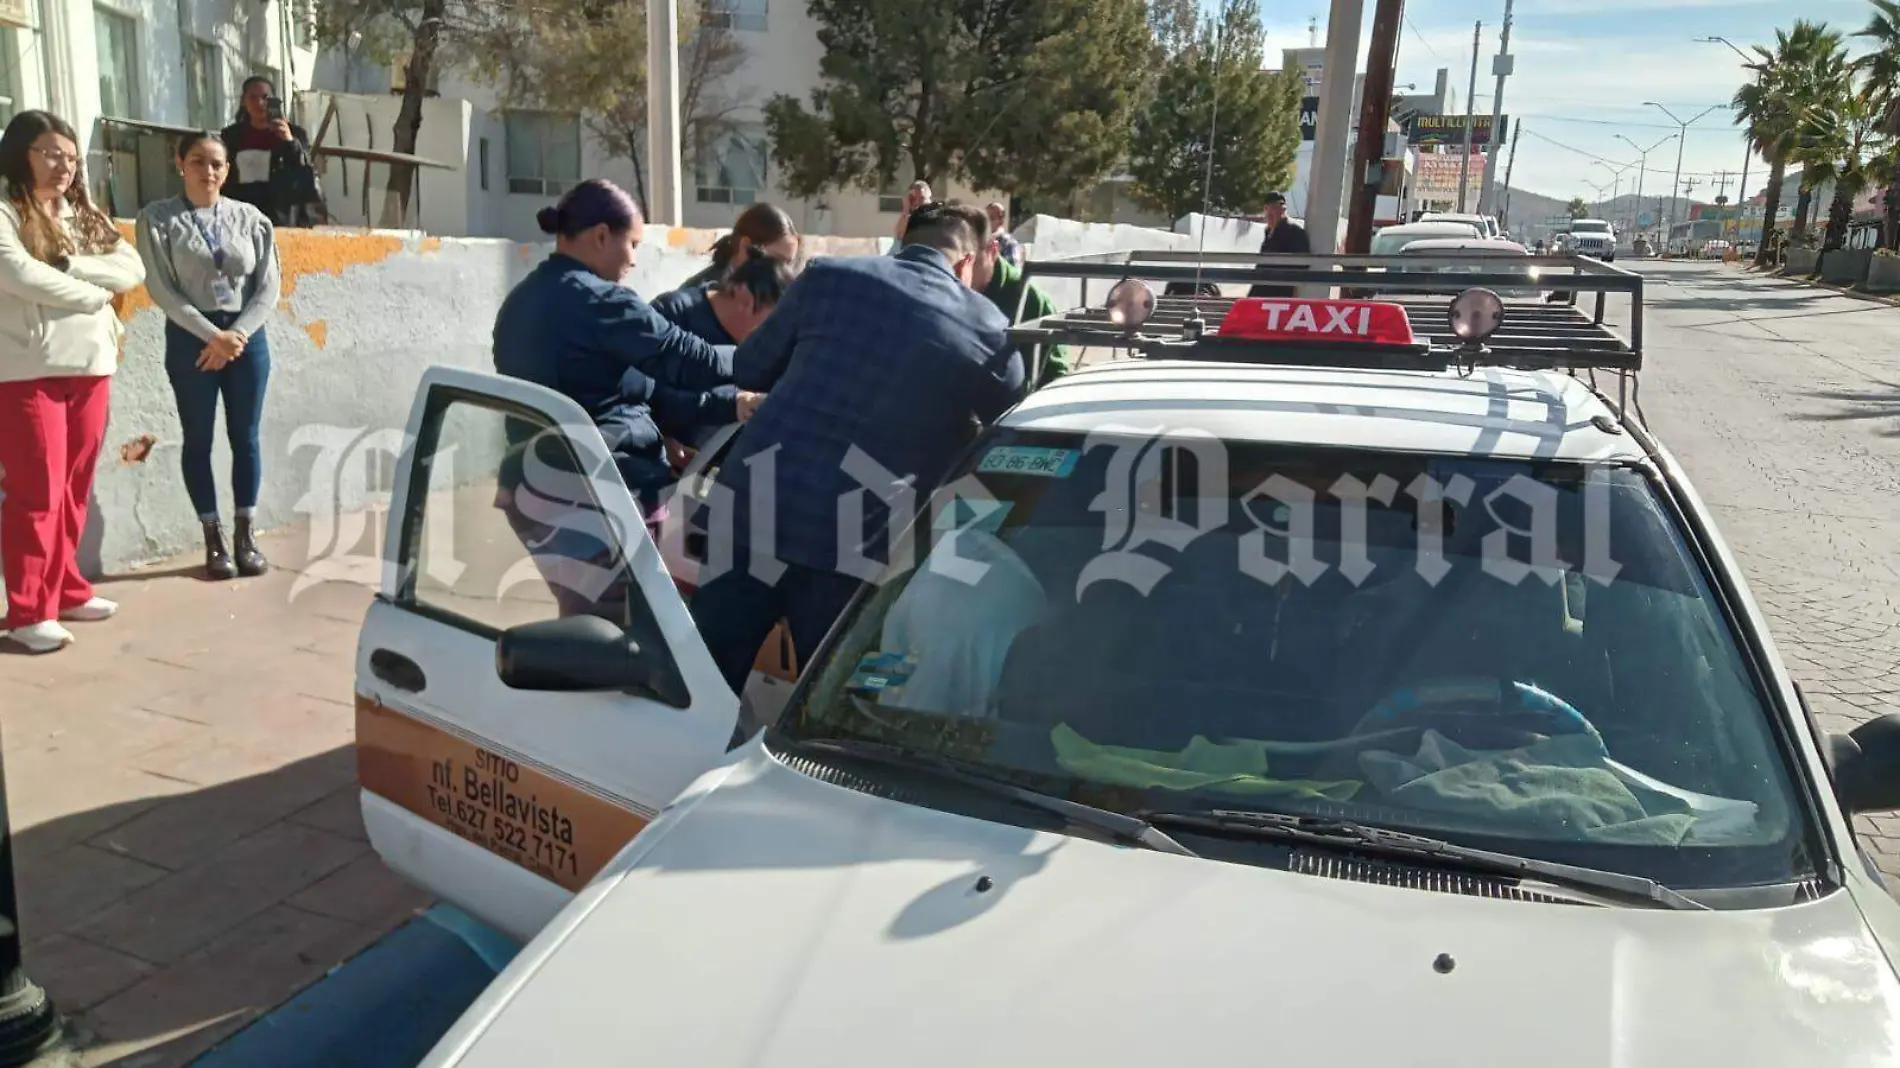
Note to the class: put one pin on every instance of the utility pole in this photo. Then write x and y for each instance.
(1504, 216)
(1332, 126)
(1748, 146)
(1501, 65)
(1464, 165)
(663, 112)
(1375, 103)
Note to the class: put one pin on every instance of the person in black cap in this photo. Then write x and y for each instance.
(1283, 236)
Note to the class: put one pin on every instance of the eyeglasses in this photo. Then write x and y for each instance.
(71, 159)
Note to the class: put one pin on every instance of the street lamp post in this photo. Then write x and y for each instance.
(1642, 166)
(1683, 133)
(1748, 145)
(1616, 180)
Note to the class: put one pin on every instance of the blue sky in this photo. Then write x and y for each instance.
(1584, 70)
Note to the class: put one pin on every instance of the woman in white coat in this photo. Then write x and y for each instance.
(61, 262)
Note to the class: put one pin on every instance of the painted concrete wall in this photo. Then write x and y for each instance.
(364, 313)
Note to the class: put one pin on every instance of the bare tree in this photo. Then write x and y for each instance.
(589, 58)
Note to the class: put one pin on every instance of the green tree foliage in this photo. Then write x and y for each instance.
(1034, 96)
(1256, 132)
(1577, 209)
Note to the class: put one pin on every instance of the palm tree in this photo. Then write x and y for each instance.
(1881, 70)
(1844, 143)
(1804, 73)
(1577, 208)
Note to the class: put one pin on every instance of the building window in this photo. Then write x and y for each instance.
(9, 74)
(890, 199)
(118, 63)
(481, 160)
(204, 84)
(731, 168)
(544, 152)
(736, 14)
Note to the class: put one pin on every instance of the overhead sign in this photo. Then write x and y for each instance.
(1426, 130)
(1309, 118)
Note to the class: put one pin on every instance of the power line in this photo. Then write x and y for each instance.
(1614, 163)
(1420, 38)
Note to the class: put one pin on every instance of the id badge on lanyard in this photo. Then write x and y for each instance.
(223, 293)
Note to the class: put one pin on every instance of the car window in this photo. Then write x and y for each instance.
(1589, 228)
(1391, 244)
(1136, 623)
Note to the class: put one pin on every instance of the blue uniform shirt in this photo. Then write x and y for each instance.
(597, 342)
(690, 308)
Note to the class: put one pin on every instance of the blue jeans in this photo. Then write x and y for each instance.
(735, 613)
(241, 382)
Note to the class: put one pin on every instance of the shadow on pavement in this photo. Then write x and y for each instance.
(160, 926)
(1858, 404)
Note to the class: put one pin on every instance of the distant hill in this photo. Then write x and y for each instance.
(1530, 212)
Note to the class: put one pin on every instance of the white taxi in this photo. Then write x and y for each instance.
(1232, 712)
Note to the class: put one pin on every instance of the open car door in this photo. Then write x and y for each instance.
(507, 511)
(683, 548)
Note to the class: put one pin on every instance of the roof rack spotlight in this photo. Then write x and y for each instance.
(1475, 315)
(1130, 303)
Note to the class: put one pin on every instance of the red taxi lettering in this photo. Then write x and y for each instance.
(1371, 322)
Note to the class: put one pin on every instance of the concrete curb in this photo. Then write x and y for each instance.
(1892, 300)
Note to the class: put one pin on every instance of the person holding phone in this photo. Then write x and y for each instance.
(211, 265)
(270, 166)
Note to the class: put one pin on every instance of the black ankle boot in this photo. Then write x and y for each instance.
(249, 561)
(218, 563)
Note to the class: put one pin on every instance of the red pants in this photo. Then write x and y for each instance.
(51, 430)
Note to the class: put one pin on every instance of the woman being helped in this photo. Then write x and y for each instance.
(726, 312)
(763, 229)
(211, 264)
(61, 262)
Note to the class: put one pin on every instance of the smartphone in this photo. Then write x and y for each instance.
(274, 108)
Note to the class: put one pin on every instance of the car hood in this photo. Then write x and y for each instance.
(784, 921)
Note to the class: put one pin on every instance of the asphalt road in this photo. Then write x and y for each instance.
(1783, 404)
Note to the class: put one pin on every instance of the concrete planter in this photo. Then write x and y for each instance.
(1801, 261)
(1845, 266)
(1883, 275)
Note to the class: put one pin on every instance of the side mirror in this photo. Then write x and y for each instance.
(573, 654)
(1867, 765)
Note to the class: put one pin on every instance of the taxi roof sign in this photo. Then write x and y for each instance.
(1361, 322)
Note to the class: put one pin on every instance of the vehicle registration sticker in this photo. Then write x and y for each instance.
(1028, 460)
(882, 671)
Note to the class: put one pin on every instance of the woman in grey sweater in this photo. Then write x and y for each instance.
(211, 264)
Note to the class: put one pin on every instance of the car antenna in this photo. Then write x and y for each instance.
(1194, 326)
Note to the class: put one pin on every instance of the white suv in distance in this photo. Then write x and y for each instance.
(1592, 237)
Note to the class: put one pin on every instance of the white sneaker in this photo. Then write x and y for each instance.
(92, 611)
(44, 637)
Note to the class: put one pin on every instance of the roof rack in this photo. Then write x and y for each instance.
(1535, 335)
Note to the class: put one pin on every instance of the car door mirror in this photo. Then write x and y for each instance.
(573, 654)
(1867, 765)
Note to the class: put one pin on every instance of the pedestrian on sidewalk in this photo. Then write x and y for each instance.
(211, 265)
(1284, 236)
(61, 263)
(760, 229)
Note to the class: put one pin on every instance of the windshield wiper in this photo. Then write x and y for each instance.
(1123, 828)
(1378, 841)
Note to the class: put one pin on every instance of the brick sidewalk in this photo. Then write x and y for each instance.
(189, 850)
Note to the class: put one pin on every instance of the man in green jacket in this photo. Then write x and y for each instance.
(1003, 282)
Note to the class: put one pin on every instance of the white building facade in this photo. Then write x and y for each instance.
(503, 165)
(124, 72)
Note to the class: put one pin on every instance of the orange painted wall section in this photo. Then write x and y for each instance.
(301, 252)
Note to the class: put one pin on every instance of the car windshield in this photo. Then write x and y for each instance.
(1517, 655)
(1582, 227)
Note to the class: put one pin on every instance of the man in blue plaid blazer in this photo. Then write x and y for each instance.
(878, 371)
